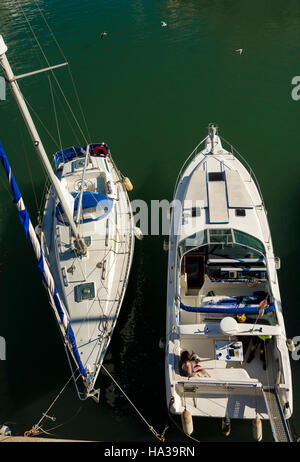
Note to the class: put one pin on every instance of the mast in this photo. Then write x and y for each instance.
(11, 79)
(87, 154)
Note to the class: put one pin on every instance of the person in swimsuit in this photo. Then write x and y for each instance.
(188, 367)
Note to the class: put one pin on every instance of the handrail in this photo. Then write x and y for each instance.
(186, 161)
(247, 165)
(233, 151)
(251, 383)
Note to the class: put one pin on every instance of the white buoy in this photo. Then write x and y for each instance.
(187, 422)
(257, 429)
(127, 183)
(290, 344)
(226, 426)
(138, 233)
(5, 430)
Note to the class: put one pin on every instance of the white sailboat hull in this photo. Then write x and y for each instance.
(103, 273)
(87, 238)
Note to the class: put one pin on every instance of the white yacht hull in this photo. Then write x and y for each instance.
(232, 389)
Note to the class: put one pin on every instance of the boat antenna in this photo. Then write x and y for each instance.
(12, 80)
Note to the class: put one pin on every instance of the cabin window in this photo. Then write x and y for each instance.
(240, 212)
(220, 236)
(192, 242)
(78, 163)
(249, 241)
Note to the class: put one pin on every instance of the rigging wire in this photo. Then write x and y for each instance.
(67, 119)
(8, 190)
(55, 113)
(36, 429)
(38, 57)
(53, 74)
(41, 122)
(69, 69)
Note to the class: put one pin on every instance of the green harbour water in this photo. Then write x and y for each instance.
(149, 92)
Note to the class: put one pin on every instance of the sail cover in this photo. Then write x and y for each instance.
(42, 264)
(90, 200)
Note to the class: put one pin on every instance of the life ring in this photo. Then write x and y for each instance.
(100, 150)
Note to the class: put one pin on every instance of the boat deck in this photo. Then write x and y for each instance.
(226, 388)
(92, 287)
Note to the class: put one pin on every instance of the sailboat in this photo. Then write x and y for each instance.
(84, 242)
(227, 355)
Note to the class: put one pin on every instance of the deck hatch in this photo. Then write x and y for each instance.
(84, 292)
(240, 212)
(220, 236)
(216, 176)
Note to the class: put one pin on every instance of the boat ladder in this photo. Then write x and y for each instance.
(277, 418)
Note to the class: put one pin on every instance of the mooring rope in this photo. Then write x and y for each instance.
(155, 433)
(37, 429)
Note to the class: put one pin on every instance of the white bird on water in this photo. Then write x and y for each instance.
(163, 23)
(240, 50)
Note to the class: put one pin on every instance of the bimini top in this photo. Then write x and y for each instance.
(99, 204)
(96, 149)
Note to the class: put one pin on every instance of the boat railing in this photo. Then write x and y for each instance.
(193, 385)
(236, 153)
(233, 151)
(193, 154)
